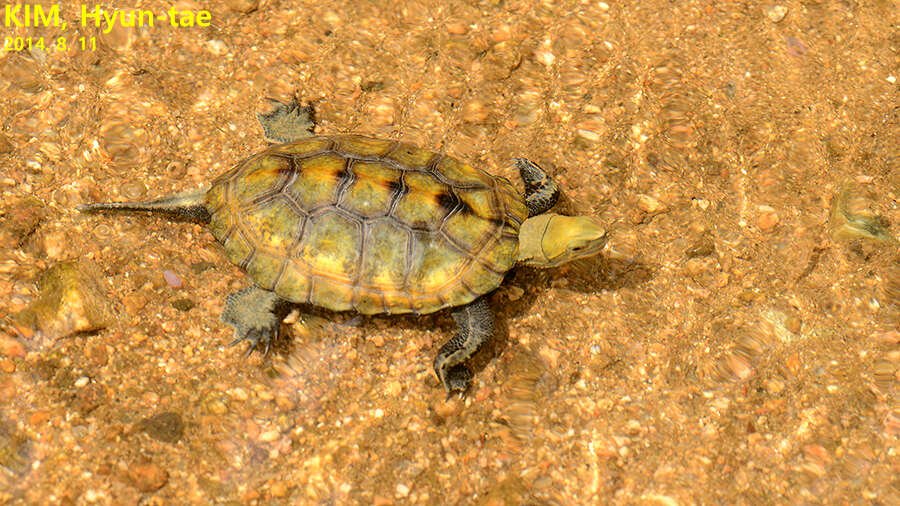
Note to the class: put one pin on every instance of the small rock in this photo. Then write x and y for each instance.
(768, 218)
(475, 111)
(5, 145)
(98, 354)
(7, 366)
(183, 304)
(649, 204)
(704, 247)
(457, 28)
(166, 427)
(10, 347)
(279, 489)
(147, 477)
(21, 220)
(889, 337)
(244, 6)
(794, 324)
(70, 300)
(89, 398)
(775, 13)
(215, 403)
(172, 279)
(269, 436)
(514, 293)
(38, 418)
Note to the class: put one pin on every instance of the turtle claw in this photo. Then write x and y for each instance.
(457, 380)
(257, 338)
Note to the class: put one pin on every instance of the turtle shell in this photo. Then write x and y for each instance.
(371, 225)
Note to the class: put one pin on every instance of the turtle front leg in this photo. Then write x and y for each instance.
(286, 122)
(256, 316)
(541, 191)
(475, 325)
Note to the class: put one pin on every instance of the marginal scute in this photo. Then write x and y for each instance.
(482, 203)
(302, 146)
(369, 301)
(221, 224)
(331, 294)
(377, 226)
(359, 146)
(411, 156)
(481, 279)
(294, 284)
(461, 173)
(497, 256)
(215, 198)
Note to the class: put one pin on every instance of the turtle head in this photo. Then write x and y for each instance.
(548, 240)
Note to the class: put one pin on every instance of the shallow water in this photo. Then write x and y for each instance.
(736, 343)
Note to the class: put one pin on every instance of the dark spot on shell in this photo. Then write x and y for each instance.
(398, 189)
(448, 201)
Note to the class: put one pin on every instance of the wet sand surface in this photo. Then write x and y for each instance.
(737, 341)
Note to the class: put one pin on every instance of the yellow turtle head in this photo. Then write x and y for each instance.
(548, 240)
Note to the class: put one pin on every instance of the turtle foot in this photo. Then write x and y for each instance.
(475, 324)
(286, 122)
(255, 314)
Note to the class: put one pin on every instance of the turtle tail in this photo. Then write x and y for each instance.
(188, 206)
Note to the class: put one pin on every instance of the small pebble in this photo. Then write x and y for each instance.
(793, 324)
(269, 436)
(172, 279)
(649, 204)
(890, 337)
(768, 218)
(457, 28)
(10, 347)
(5, 145)
(514, 293)
(243, 6)
(278, 489)
(775, 13)
(148, 477)
(7, 366)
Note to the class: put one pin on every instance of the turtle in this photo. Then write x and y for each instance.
(375, 226)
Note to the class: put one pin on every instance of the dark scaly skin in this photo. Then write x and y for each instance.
(475, 324)
(541, 192)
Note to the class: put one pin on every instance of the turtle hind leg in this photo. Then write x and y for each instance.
(541, 191)
(256, 316)
(288, 122)
(475, 324)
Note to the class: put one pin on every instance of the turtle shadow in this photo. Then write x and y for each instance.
(584, 276)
